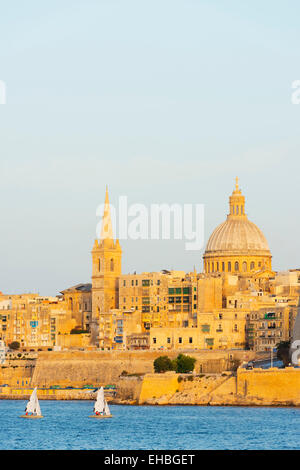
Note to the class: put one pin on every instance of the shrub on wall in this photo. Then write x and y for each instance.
(184, 364)
(283, 352)
(163, 364)
(76, 331)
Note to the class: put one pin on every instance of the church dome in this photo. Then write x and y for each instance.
(237, 245)
(238, 235)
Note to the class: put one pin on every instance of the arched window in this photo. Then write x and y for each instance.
(112, 265)
(223, 266)
(252, 265)
(232, 208)
(229, 266)
(237, 210)
(212, 267)
(236, 266)
(244, 266)
(217, 266)
(99, 265)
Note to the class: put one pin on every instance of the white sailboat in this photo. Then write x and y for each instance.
(33, 407)
(101, 408)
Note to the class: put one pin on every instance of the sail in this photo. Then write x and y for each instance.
(100, 402)
(37, 407)
(33, 405)
(106, 409)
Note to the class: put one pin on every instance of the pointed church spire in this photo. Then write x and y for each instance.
(106, 230)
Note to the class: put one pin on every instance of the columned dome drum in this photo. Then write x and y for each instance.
(237, 245)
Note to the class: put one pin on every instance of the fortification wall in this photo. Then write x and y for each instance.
(272, 386)
(17, 372)
(158, 385)
(78, 368)
(257, 387)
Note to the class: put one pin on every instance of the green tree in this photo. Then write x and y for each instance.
(14, 345)
(184, 364)
(283, 352)
(163, 364)
(77, 331)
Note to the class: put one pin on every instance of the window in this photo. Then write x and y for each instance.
(237, 210)
(99, 265)
(132, 282)
(168, 340)
(124, 283)
(209, 341)
(190, 340)
(229, 266)
(180, 340)
(154, 340)
(244, 266)
(236, 266)
(112, 265)
(252, 266)
(223, 266)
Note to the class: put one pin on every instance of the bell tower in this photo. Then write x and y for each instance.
(106, 270)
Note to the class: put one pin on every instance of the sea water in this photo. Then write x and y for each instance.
(66, 425)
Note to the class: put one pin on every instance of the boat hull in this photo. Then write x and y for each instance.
(100, 416)
(31, 417)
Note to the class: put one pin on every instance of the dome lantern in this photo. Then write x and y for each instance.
(237, 202)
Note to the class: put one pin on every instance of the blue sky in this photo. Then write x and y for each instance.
(164, 101)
